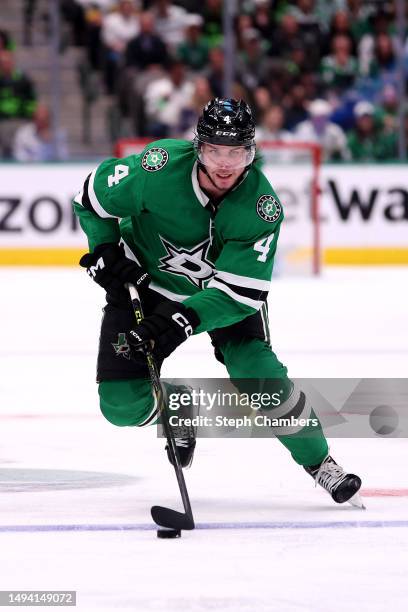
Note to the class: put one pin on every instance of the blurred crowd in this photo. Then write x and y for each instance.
(312, 71)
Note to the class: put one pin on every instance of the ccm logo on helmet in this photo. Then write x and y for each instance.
(221, 133)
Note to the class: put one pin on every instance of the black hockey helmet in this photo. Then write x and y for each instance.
(226, 121)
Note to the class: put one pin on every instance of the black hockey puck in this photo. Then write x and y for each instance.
(169, 533)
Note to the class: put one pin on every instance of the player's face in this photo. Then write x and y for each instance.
(224, 164)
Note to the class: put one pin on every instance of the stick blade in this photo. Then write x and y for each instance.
(165, 517)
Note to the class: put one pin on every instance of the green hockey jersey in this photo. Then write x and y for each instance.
(220, 265)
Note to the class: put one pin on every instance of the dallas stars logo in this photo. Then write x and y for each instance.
(190, 263)
(268, 208)
(121, 347)
(155, 159)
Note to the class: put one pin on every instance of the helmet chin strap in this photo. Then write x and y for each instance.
(201, 167)
(242, 176)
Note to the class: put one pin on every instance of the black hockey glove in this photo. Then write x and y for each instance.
(169, 325)
(111, 269)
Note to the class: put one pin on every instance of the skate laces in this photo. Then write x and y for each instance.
(329, 475)
(183, 436)
(182, 442)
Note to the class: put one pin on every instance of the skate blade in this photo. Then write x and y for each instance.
(357, 501)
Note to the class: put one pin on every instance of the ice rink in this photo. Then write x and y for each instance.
(76, 491)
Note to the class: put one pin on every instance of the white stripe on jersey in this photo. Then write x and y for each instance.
(168, 294)
(94, 200)
(256, 304)
(78, 197)
(129, 253)
(243, 281)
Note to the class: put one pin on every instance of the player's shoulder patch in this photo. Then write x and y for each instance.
(268, 208)
(155, 159)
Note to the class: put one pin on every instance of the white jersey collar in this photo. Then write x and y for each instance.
(200, 195)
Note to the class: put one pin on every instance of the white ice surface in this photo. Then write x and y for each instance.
(61, 464)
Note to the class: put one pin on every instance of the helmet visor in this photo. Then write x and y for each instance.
(225, 157)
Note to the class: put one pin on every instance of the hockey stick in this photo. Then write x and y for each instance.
(165, 517)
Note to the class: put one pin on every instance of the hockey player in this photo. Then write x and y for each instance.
(198, 231)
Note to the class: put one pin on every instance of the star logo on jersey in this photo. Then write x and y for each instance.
(268, 208)
(155, 159)
(190, 263)
(121, 347)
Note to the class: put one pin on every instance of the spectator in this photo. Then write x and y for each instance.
(6, 41)
(17, 100)
(309, 27)
(388, 111)
(34, 142)
(359, 14)
(215, 71)
(212, 14)
(384, 63)
(271, 127)
(147, 48)
(325, 11)
(94, 14)
(368, 141)
(165, 99)
(74, 14)
(170, 22)
(378, 23)
(340, 25)
(80, 14)
(118, 29)
(295, 104)
(339, 69)
(262, 19)
(146, 59)
(310, 81)
(243, 23)
(261, 102)
(286, 36)
(192, 111)
(252, 64)
(193, 51)
(298, 62)
(289, 36)
(321, 130)
(305, 12)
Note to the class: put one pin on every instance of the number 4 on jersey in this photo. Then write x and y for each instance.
(120, 172)
(263, 246)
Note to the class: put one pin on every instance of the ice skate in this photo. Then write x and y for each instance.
(184, 435)
(342, 487)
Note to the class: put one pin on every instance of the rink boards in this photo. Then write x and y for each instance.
(363, 213)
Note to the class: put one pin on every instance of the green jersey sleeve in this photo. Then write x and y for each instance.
(112, 191)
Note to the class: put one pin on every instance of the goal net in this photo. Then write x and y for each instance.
(293, 170)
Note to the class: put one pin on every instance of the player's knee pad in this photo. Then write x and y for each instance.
(127, 402)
